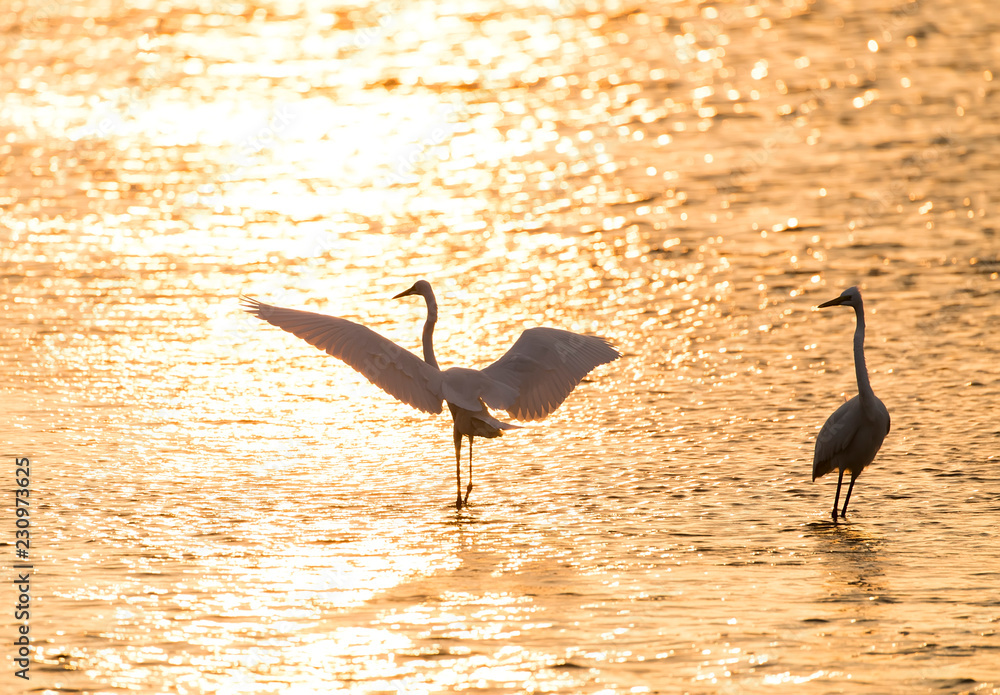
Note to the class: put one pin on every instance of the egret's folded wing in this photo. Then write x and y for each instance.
(396, 371)
(836, 435)
(542, 368)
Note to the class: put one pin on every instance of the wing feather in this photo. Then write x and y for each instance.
(541, 369)
(836, 436)
(396, 371)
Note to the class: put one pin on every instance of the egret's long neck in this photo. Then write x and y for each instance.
(428, 337)
(864, 385)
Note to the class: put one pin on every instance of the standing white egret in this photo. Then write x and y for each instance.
(530, 381)
(854, 433)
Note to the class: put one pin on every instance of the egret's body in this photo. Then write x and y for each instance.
(530, 381)
(854, 433)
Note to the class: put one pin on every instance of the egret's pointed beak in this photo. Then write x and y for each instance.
(834, 302)
(406, 293)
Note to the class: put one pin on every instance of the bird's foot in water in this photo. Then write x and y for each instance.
(458, 503)
(468, 491)
(834, 515)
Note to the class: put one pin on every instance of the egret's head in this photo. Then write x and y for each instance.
(850, 297)
(421, 287)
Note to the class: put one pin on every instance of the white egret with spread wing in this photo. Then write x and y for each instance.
(854, 433)
(530, 381)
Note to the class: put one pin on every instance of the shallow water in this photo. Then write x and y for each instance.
(219, 508)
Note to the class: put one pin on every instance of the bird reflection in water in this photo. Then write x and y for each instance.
(855, 571)
(529, 381)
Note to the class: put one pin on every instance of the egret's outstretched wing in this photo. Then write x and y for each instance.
(542, 368)
(396, 371)
(836, 436)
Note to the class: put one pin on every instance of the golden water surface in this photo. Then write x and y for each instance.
(220, 508)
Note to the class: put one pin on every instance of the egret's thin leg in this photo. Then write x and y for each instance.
(836, 499)
(854, 476)
(469, 488)
(458, 467)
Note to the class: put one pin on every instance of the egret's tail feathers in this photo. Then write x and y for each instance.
(488, 426)
(493, 422)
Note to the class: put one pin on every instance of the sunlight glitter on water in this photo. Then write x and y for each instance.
(227, 510)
